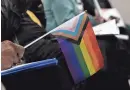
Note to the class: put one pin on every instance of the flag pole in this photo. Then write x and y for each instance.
(96, 3)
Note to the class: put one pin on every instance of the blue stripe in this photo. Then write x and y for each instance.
(77, 28)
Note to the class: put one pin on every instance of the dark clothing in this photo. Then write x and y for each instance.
(105, 4)
(20, 25)
(38, 9)
(114, 76)
(15, 22)
(90, 7)
(11, 12)
(11, 15)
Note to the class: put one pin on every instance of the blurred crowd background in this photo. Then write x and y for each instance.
(23, 21)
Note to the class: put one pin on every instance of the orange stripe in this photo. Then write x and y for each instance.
(94, 44)
(91, 51)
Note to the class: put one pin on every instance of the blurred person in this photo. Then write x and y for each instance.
(93, 14)
(90, 7)
(38, 9)
(11, 55)
(17, 23)
(11, 13)
(58, 12)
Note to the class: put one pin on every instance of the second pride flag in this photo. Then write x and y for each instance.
(80, 48)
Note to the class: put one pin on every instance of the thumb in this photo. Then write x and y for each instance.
(20, 50)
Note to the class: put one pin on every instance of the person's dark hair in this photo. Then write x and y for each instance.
(89, 5)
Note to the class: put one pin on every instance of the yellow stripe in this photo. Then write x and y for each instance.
(34, 18)
(87, 58)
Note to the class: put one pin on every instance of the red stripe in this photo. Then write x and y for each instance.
(94, 44)
(91, 51)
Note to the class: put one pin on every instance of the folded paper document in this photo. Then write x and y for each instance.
(106, 14)
(106, 28)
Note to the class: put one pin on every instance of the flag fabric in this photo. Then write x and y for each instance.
(80, 48)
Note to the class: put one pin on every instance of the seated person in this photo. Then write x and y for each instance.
(16, 23)
(11, 55)
(58, 12)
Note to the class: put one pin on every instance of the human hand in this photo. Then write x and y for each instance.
(98, 18)
(10, 54)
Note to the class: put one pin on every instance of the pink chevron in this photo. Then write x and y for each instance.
(71, 28)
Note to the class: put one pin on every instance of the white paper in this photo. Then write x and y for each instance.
(113, 12)
(106, 28)
(123, 37)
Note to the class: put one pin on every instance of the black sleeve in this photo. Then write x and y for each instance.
(89, 6)
(105, 4)
(28, 30)
(45, 48)
(3, 28)
(38, 9)
(6, 33)
(10, 21)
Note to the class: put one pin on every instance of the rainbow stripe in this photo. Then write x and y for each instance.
(83, 59)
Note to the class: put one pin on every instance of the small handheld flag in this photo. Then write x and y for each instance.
(80, 48)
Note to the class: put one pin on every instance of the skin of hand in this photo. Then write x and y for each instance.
(98, 18)
(10, 54)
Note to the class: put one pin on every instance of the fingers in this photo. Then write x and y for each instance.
(6, 56)
(17, 49)
(12, 51)
(6, 63)
(11, 54)
(20, 51)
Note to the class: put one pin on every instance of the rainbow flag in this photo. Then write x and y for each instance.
(80, 48)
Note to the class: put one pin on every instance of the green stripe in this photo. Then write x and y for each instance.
(81, 60)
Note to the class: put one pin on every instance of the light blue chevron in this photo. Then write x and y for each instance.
(77, 27)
